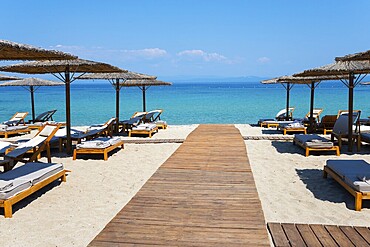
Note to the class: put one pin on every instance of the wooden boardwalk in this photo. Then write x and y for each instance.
(284, 235)
(203, 195)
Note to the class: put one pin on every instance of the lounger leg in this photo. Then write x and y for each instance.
(307, 152)
(129, 133)
(74, 154)
(64, 178)
(8, 211)
(324, 174)
(358, 201)
(105, 155)
(48, 153)
(6, 135)
(305, 131)
(337, 150)
(284, 132)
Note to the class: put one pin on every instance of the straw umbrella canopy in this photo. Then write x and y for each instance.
(7, 78)
(345, 71)
(115, 79)
(360, 56)
(144, 85)
(14, 51)
(31, 84)
(312, 82)
(65, 71)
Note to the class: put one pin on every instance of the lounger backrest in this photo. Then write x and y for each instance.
(45, 116)
(282, 113)
(316, 113)
(341, 125)
(17, 118)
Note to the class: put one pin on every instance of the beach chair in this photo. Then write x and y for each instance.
(6, 130)
(279, 118)
(292, 127)
(144, 129)
(19, 183)
(352, 175)
(33, 146)
(134, 120)
(316, 115)
(313, 142)
(326, 124)
(155, 118)
(100, 145)
(340, 129)
(17, 119)
(41, 119)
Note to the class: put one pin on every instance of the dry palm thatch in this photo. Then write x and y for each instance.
(31, 82)
(7, 78)
(144, 83)
(298, 80)
(114, 76)
(338, 69)
(14, 51)
(360, 56)
(59, 66)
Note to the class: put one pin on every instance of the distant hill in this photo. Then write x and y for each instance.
(184, 79)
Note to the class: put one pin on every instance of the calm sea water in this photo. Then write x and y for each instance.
(183, 103)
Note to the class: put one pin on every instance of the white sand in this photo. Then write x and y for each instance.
(289, 184)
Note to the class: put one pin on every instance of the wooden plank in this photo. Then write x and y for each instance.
(293, 235)
(323, 235)
(354, 236)
(339, 236)
(278, 236)
(308, 235)
(364, 232)
(203, 195)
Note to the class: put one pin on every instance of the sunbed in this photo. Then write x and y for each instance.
(39, 143)
(280, 116)
(155, 117)
(353, 175)
(326, 124)
(313, 142)
(134, 120)
(41, 119)
(292, 127)
(340, 129)
(22, 181)
(100, 145)
(6, 130)
(316, 115)
(17, 119)
(144, 129)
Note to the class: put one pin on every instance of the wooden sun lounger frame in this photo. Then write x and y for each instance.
(13, 132)
(143, 132)
(268, 125)
(308, 149)
(299, 129)
(359, 196)
(8, 203)
(103, 151)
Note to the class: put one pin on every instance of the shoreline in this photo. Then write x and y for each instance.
(290, 187)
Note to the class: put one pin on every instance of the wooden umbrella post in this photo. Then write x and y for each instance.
(350, 109)
(287, 101)
(144, 104)
(117, 104)
(32, 90)
(312, 98)
(68, 110)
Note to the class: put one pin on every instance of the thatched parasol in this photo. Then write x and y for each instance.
(360, 56)
(57, 68)
(7, 78)
(14, 51)
(144, 85)
(345, 71)
(116, 79)
(31, 84)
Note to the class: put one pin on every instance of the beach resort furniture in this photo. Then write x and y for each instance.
(353, 175)
(313, 142)
(340, 129)
(41, 119)
(17, 119)
(22, 181)
(134, 120)
(6, 130)
(280, 116)
(144, 129)
(33, 146)
(155, 117)
(316, 115)
(92, 132)
(100, 145)
(292, 127)
(327, 123)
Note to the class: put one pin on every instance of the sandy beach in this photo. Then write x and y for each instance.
(290, 186)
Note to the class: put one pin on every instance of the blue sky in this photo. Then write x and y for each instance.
(174, 39)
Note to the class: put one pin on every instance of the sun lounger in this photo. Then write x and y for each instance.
(327, 123)
(6, 130)
(280, 116)
(100, 145)
(316, 115)
(43, 117)
(155, 117)
(34, 146)
(144, 129)
(314, 142)
(22, 181)
(340, 129)
(134, 120)
(292, 127)
(353, 175)
(17, 119)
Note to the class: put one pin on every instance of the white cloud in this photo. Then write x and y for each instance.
(263, 60)
(148, 53)
(199, 54)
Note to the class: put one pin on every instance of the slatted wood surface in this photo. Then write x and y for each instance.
(203, 195)
(318, 235)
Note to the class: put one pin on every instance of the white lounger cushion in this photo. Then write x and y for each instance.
(350, 171)
(4, 146)
(146, 126)
(5, 128)
(313, 140)
(25, 146)
(100, 142)
(21, 178)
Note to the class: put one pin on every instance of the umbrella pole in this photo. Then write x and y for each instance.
(350, 111)
(144, 106)
(117, 105)
(68, 110)
(32, 103)
(311, 106)
(287, 101)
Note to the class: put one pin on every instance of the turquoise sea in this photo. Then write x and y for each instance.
(183, 103)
